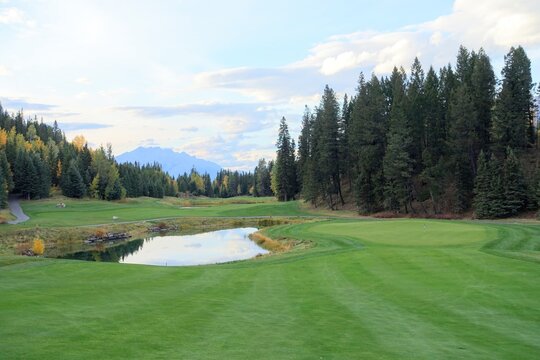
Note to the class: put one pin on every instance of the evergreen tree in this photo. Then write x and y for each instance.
(3, 190)
(344, 130)
(308, 157)
(285, 173)
(448, 84)
(434, 138)
(462, 140)
(415, 104)
(43, 185)
(115, 191)
(304, 149)
(328, 148)
(483, 95)
(73, 184)
(5, 167)
(464, 66)
(397, 163)
(367, 141)
(515, 187)
(262, 179)
(208, 190)
(433, 175)
(496, 195)
(513, 123)
(482, 188)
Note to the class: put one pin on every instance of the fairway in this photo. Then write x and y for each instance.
(363, 289)
(45, 213)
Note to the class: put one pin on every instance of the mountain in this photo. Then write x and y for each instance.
(172, 162)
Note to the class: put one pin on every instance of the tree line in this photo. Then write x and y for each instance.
(35, 157)
(436, 141)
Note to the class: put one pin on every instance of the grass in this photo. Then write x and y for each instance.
(44, 213)
(399, 289)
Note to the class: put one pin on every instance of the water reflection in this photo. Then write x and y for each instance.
(111, 254)
(206, 248)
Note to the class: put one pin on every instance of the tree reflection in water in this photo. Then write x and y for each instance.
(107, 254)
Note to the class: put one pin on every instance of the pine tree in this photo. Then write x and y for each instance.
(515, 187)
(496, 195)
(328, 148)
(73, 184)
(284, 180)
(304, 149)
(448, 84)
(367, 141)
(3, 190)
(115, 191)
(483, 95)
(6, 170)
(43, 185)
(415, 101)
(262, 179)
(513, 121)
(464, 66)
(482, 188)
(344, 131)
(433, 116)
(433, 175)
(29, 176)
(462, 116)
(397, 163)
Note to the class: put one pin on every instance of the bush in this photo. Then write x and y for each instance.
(38, 247)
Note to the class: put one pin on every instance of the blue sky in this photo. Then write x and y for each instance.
(213, 78)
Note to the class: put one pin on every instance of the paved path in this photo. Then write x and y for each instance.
(15, 208)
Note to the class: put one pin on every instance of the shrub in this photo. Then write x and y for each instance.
(38, 247)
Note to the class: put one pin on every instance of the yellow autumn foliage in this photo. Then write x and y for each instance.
(3, 138)
(38, 246)
(79, 141)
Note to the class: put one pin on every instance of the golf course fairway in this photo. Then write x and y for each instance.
(375, 289)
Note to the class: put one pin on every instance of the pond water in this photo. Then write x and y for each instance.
(180, 250)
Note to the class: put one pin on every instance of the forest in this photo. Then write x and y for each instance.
(36, 157)
(446, 141)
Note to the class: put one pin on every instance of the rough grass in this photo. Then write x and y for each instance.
(364, 289)
(270, 244)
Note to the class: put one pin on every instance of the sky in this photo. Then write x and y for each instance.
(214, 78)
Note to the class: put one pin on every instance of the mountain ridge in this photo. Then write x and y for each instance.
(174, 163)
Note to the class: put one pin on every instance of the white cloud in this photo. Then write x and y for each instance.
(11, 16)
(82, 80)
(4, 71)
(494, 25)
(14, 16)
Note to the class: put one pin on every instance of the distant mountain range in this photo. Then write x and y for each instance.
(173, 162)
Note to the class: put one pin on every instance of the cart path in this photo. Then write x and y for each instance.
(15, 208)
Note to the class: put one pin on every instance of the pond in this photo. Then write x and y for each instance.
(180, 250)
